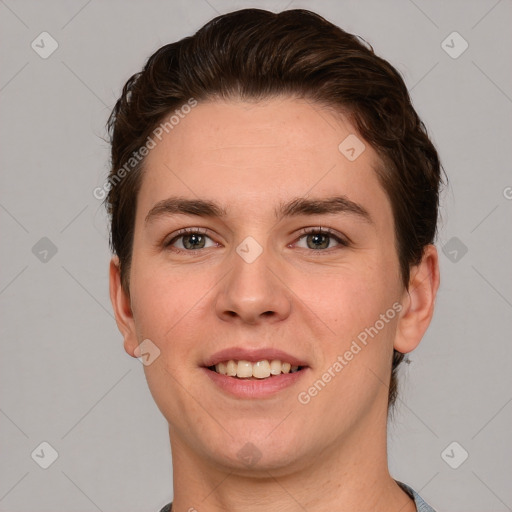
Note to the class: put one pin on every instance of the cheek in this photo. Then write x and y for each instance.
(169, 304)
(157, 314)
(348, 299)
(355, 355)
(355, 308)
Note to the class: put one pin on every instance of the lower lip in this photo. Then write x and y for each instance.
(255, 388)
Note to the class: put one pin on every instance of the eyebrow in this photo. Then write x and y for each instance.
(329, 205)
(293, 208)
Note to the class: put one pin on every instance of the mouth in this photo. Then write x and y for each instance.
(254, 374)
(259, 370)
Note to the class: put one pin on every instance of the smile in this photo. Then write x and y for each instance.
(259, 370)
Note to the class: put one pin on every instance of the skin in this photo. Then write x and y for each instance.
(328, 454)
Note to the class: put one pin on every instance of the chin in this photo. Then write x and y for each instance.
(258, 455)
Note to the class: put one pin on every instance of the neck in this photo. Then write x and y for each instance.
(352, 474)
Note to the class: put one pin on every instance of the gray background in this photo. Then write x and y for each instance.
(65, 378)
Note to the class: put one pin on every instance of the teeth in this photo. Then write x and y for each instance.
(231, 368)
(244, 369)
(275, 367)
(260, 370)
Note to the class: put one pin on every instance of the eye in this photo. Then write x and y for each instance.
(320, 238)
(190, 240)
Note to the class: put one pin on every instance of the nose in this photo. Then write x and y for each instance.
(252, 292)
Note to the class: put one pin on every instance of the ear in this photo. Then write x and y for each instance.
(418, 302)
(122, 308)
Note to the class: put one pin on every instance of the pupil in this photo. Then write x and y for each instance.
(319, 241)
(193, 241)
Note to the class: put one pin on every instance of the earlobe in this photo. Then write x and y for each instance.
(418, 302)
(122, 308)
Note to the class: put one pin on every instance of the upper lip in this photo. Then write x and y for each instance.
(255, 355)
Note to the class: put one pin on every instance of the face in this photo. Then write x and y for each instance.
(257, 239)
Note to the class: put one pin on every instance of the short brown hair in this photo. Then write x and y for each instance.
(254, 54)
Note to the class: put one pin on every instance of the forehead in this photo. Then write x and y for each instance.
(245, 153)
(221, 131)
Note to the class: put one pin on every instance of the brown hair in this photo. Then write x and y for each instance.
(254, 54)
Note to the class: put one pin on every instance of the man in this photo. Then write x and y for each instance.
(273, 199)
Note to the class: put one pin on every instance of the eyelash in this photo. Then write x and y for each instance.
(180, 234)
(324, 231)
(303, 232)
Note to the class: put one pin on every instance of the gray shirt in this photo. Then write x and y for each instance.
(421, 506)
